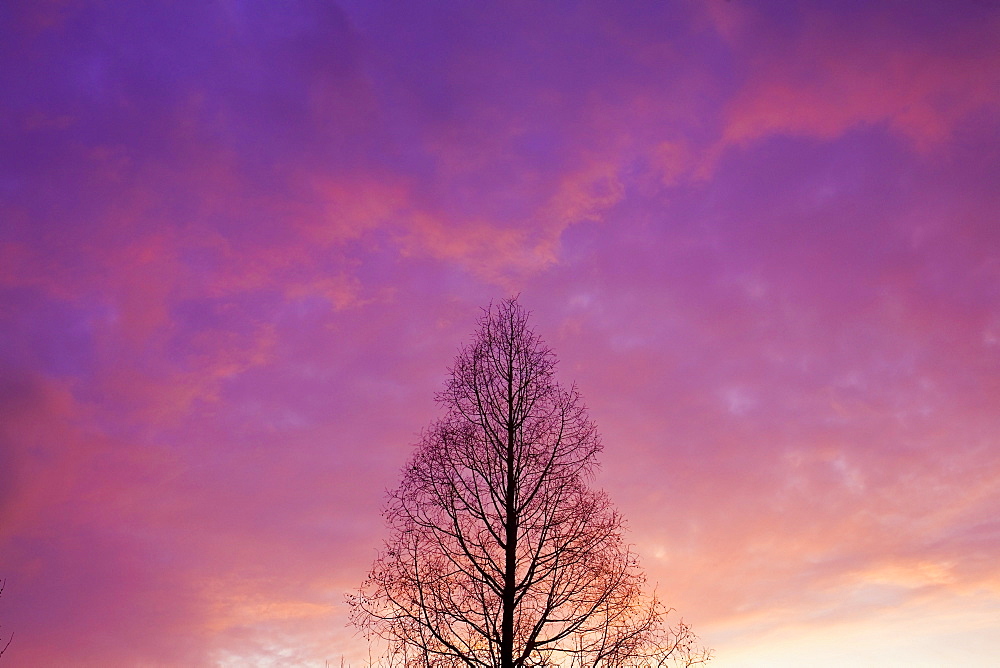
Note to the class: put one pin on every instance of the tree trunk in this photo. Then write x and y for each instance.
(510, 537)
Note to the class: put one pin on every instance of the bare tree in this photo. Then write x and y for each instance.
(3, 583)
(500, 553)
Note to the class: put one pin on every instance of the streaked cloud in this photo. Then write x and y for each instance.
(241, 244)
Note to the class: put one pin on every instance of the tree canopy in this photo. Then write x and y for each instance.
(500, 553)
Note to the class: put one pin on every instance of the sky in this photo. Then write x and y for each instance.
(241, 242)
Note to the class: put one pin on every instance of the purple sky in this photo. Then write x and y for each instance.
(241, 242)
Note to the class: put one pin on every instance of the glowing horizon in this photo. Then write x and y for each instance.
(241, 244)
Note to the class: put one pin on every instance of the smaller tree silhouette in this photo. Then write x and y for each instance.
(3, 583)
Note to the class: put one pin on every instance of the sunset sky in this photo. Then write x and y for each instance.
(241, 243)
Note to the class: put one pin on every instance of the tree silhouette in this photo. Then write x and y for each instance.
(3, 583)
(500, 554)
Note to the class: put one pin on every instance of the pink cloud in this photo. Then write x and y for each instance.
(239, 254)
(829, 77)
